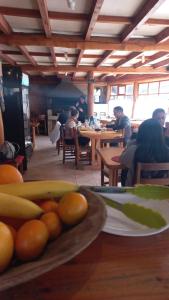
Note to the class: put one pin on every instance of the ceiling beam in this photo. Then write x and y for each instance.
(25, 52)
(147, 44)
(4, 26)
(34, 13)
(161, 63)
(137, 77)
(107, 54)
(68, 68)
(141, 17)
(93, 19)
(127, 59)
(7, 59)
(94, 15)
(46, 25)
(162, 36)
(152, 58)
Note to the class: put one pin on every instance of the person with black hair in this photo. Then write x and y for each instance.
(150, 147)
(122, 122)
(81, 106)
(70, 126)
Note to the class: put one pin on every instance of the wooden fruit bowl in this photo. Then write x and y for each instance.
(64, 248)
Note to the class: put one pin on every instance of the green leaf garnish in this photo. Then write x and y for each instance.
(156, 192)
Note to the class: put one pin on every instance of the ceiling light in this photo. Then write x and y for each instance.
(143, 58)
(71, 4)
(66, 56)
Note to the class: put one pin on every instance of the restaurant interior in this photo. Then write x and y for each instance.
(110, 54)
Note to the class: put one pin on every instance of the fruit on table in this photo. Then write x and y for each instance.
(53, 224)
(12, 206)
(6, 246)
(31, 240)
(72, 208)
(49, 205)
(38, 190)
(10, 174)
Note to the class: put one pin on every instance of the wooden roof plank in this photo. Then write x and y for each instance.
(161, 63)
(162, 36)
(141, 17)
(7, 59)
(122, 70)
(46, 24)
(94, 15)
(107, 54)
(25, 52)
(147, 44)
(4, 26)
(127, 59)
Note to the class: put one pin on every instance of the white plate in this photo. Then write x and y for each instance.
(117, 223)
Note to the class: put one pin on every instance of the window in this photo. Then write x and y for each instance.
(100, 94)
(152, 95)
(121, 95)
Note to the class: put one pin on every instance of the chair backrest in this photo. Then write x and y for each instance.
(163, 179)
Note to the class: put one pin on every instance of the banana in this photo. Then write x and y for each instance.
(16, 207)
(38, 190)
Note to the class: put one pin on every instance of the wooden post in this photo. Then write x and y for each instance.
(1, 129)
(135, 96)
(108, 93)
(90, 101)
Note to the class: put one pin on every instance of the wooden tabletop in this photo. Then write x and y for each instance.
(111, 268)
(106, 155)
(100, 134)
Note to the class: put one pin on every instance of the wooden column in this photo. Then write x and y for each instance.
(135, 96)
(108, 93)
(90, 101)
(1, 129)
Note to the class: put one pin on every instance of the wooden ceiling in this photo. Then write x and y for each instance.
(107, 39)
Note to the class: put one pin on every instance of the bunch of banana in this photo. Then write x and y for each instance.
(38, 190)
(15, 198)
(17, 207)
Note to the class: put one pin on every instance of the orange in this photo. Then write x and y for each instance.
(72, 208)
(9, 174)
(6, 246)
(31, 240)
(53, 224)
(49, 205)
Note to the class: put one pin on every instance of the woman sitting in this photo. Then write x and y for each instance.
(150, 147)
(71, 129)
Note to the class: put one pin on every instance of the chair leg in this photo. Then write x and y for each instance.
(102, 174)
(63, 155)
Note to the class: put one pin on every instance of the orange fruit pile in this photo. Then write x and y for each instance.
(27, 239)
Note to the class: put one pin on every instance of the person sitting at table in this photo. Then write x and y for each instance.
(149, 147)
(71, 126)
(122, 122)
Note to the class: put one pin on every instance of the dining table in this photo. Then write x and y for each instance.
(111, 268)
(110, 159)
(96, 137)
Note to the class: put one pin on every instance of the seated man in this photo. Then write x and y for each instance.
(122, 122)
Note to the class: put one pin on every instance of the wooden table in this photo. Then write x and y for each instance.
(111, 268)
(106, 155)
(96, 137)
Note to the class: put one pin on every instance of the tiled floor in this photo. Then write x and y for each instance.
(46, 164)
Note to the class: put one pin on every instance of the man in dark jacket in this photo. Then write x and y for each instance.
(122, 122)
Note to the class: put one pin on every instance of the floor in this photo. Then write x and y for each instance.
(46, 164)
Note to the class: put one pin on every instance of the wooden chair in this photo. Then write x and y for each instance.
(82, 153)
(68, 150)
(150, 167)
(59, 143)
